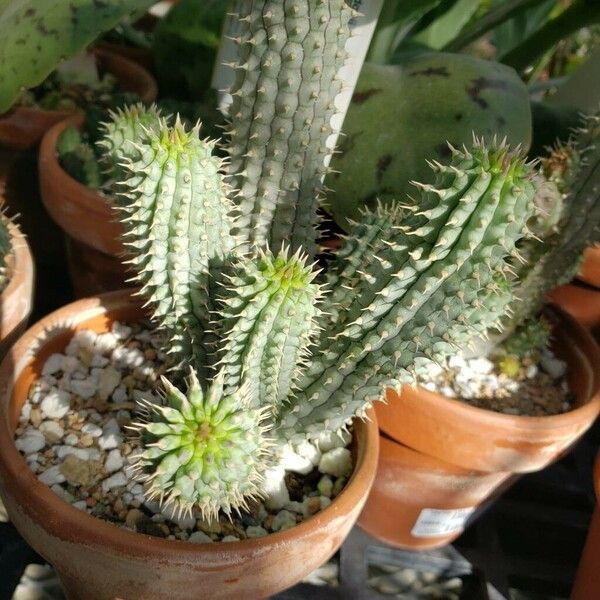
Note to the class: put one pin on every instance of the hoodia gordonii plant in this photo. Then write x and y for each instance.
(277, 351)
(5, 250)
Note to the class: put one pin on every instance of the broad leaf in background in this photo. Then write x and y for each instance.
(446, 27)
(396, 21)
(582, 89)
(185, 46)
(36, 34)
(512, 33)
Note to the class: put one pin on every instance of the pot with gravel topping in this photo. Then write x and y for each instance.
(443, 457)
(70, 387)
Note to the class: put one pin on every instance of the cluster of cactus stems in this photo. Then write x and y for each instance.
(275, 350)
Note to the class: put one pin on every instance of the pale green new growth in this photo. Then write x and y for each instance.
(196, 448)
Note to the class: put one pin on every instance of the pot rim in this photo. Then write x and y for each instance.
(61, 516)
(591, 404)
(97, 201)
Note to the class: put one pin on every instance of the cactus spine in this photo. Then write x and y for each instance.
(284, 94)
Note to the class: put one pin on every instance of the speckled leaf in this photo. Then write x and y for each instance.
(36, 34)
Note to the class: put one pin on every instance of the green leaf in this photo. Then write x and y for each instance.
(500, 12)
(514, 31)
(185, 46)
(448, 26)
(396, 21)
(36, 34)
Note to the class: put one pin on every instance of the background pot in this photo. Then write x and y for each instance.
(443, 454)
(590, 267)
(587, 579)
(98, 561)
(420, 502)
(87, 218)
(23, 127)
(582, 302)
(16, 300)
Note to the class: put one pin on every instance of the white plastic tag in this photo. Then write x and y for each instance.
(433, 522)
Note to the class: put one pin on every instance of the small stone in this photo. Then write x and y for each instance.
(114, 481)
(92, 429)
(52, 431)
(133, 517)
(291, 461)
(51, 476)
(120, 394)
(53, 364)
(338, 486)
(121, 331)
(108, 380)
(336, 462)
(284, 519)
(256, 531)
(482, 366)
(555, 367)
(325, 486)
(106, 342)
(209, 526)
(86, 441)
(324, 502)
(297, 507)
(71, 439)
(230, 538)
(114, 461)
(55, 404)
(199, 537)
(274, 488)
(85, 388)
(69, 364)
(406, 577)
(329, 440)
(111, 435)
(313, 505)
(80, 504)
(80, 472)
(31, 441)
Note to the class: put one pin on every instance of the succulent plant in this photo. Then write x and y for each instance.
(279, 352)
(5, 250)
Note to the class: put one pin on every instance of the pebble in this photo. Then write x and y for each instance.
(256, 531)
(114, 461)
(53, 364)
(52, 475)
(336, 462)
(80, 472)
(325, 486)
(92, 429)
(275, 490)
(108, 380)
(52, 431)
(30, 442)
(114, 481)
(111, 435)
(85, 388)
(284, 519)
(230, 538)
(292, 461)
(329, 440)
(56, 404)
(199, 537)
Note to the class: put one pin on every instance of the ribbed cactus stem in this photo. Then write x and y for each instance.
(576, 171)
(283, 101)
(425, 294)
(121, 134)
(203, 450)
(177, 222)
(270, 318)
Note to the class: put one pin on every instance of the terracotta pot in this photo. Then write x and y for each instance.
(16, 300)
(474, 438)
(441, 458)
(138, 55)
(590, 268)
(99, 561)
(580, 301)
(587, 578)
(420, 502)
(23, 127)
(87, 218)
